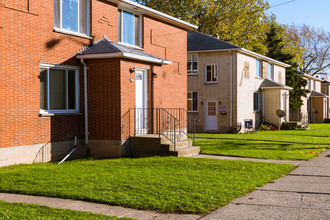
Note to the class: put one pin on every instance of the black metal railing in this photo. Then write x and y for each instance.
(172, 123)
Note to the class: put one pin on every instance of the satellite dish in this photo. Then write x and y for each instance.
(280, 113)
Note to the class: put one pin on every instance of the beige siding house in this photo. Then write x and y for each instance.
(315, 105)
(229, 85)
(325, 89)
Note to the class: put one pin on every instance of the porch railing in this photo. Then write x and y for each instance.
(172, 123)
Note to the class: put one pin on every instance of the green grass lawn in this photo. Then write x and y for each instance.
(166, 184)
(278, 145)
(26, 211)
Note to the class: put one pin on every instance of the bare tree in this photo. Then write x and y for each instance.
(316, 45)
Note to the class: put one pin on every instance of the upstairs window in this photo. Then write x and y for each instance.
(271, 71)
(192, 101)
(58, 90)
(129, 28)
(192, 64)
(258, 68)
(72, 15)
(211, 74)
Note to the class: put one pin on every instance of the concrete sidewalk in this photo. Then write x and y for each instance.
(303, 194)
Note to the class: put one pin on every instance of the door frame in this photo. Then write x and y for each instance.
(206, 114)
(145, 99)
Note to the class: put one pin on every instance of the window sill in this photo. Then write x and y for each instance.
(192, 74)
(46, 114)
(132, 46)
(211, 83)
(258, 111)
(258, 77)
(58, 30)
(193, 112)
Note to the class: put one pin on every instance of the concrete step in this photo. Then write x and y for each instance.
(178, 145)
(185, 152)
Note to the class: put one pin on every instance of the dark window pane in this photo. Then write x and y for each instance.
(71, 90)
(57, 89)
(194, 101)
(189, 66)
(208, 73)
(43, 89)
(195, 67)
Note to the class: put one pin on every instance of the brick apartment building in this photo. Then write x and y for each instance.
(77, 67)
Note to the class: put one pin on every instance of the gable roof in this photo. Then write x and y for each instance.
(199, 42)
(325, 82)
(105, 48)
(270, 84)
(310, 76)
(317, 94)
(141, 9)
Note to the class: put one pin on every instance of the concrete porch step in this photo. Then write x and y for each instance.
(185, 152)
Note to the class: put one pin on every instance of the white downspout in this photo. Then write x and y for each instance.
(85, 100)
(263, 104)
(231, 90)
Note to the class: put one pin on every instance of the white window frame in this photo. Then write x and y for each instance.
(66, 68)
(271, 69)
(192, 101)
(259, 67)
(192, 64)
(120, 29)
(216, 73)
(61, 30)
(258, 101)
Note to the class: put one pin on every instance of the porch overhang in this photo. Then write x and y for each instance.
(270, 84)
(105, 48)
(124, 55)
(315, 94)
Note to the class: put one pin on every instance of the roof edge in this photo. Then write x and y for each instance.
(265, 58)
(312, 77)
(123, 55)
(152, 12)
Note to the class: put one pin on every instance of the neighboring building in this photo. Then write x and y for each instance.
(325, 89)
(129, 56)
(316, 102)
(228, 85)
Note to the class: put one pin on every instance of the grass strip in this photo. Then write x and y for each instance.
(168, 184)
(27, 211)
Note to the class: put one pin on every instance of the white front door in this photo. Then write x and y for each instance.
(141, 97)
(211, 116)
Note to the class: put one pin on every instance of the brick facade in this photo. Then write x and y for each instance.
(27, 38)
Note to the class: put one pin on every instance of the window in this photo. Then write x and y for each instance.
(284, 95)
(192, 101)
(72, 15)
(211, 73)
(129, 28)
(256, 101)
(270, 71)
(58, 89)
(192, 63)
(258, 69)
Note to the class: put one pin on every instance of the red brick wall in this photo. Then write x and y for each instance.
(27, 38)
(104, 99)
(171, 83)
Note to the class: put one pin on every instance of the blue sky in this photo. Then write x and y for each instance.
(310, 12)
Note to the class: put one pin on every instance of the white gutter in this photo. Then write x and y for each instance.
(154, 13)
(85, 100)
(124, 55)
(284, 87)
(231, 90)
(263, 104)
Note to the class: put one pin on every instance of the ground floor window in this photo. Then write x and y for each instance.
(256, 102)
(192, 101)
(59, 89)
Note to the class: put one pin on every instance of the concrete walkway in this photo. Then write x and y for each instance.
(303, 194)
